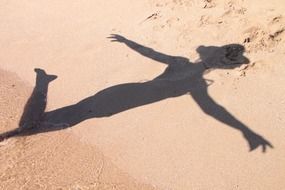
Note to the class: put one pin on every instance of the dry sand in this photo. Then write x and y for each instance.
(169, 144)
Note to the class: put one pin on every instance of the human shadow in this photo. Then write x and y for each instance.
(35, 107)
(181, 77)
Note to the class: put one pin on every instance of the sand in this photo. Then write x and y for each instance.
(170, 143)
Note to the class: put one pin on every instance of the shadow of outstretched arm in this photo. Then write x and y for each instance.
(148, 52)
(211, 108)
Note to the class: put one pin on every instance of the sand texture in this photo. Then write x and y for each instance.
(148, 95)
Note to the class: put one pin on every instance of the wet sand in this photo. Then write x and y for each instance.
(169, 143)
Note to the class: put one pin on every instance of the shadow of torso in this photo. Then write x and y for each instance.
(177, 80)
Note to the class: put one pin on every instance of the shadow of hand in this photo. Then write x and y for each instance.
(117, 38)
(255, 141)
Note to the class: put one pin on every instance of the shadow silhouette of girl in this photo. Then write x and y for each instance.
(186, 77)
(180, 77)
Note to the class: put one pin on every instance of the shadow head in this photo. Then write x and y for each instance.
(225, 57)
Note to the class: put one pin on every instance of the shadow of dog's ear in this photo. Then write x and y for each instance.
(42, 74)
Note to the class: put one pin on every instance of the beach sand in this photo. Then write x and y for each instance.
(170, 143)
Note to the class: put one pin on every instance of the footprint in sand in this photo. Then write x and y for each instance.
(209, 4)
(258, 38)
(234, 7)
